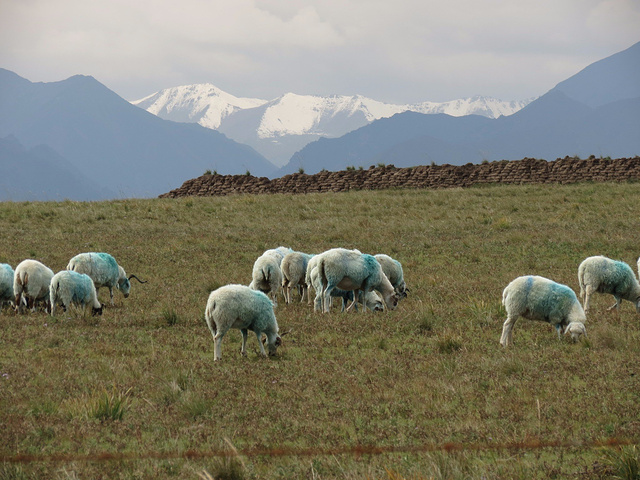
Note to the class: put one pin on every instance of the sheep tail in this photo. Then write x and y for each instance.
(321, 274)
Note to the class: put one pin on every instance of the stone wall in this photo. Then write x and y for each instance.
(526, 171)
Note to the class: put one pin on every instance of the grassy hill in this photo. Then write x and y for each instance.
(431, 372)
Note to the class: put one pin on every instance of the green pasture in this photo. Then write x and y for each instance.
(140, 383)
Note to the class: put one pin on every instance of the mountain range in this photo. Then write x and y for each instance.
(76, 139)
(106, 142)
(278, 128)
(595, 112)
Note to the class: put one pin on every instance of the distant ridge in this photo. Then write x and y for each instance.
(526, 171)
(118, 146)
(280, 127)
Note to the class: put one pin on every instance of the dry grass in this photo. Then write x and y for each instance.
(431, 372)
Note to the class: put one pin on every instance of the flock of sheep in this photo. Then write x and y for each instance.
(375, 282)
(34, 283)
(538, 298)
(337, 273)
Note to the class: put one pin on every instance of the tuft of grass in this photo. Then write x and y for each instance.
(623, 463)
(170, 317)
(449, 345)
(108, 405)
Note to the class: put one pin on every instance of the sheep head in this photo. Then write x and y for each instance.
(576, 329)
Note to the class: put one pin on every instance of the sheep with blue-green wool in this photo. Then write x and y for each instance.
(6, 284)
(238, 306)
(31, 280)
(294, 269)
(372, 300)
(538, 298)
(72, 288)
(104, 271)
(356, 271)
(392, 268)
(604, 275)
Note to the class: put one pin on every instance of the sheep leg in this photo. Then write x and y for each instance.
(262, 352)
(243, 349)
(507, 331)
(559, 330)
(616, 305)
(587, 298)
(327, 298)
(305, 290)
(355, 302)
(217, 340)
(111, 295)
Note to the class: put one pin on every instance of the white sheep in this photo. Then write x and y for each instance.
(104, 271)
(31, 281)
(392, 268)
(294, 269)
(266, 276)
(538, 298)
(373, 300)
(69, 287)
(6, 284)
(278, 253)
(238, 306)
(603, 275)
(352, 270)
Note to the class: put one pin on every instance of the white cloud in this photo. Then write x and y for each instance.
(403, 51)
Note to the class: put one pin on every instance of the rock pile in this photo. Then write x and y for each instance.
(526, 171)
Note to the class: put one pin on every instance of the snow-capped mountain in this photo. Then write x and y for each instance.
(279, 128)
(203, 103)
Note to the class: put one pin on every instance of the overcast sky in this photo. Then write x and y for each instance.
(400, 51)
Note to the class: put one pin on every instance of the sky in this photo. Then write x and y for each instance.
(396, 51)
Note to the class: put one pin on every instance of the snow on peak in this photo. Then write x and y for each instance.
(201, 103)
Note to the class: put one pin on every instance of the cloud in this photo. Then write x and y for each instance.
(402, 51)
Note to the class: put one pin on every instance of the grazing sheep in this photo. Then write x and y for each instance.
(267, 276)
(237, 306)
(294, 269)
(278, 253)
(31, 281)
(373, 300)
(603, 275)
(352, 270)
(69, 287)
(392, 268)
(538, 298)
(104, 271)
(6, 284)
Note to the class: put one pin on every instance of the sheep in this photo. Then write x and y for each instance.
(538, 298)
(352, 270)
(392, 268)
(603, 275)
(31, 281)
(69, 287)
(373, 300)
(267, 276)
(238, 306)
(294, 269)
(6, 284)
(104, 271)
(278, 253)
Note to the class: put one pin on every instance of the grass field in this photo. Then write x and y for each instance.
(140, 380)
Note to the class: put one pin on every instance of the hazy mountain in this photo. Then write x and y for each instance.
(581, 116)
(39, 173)
(280, 127)
(609, 80)
(110, 141)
